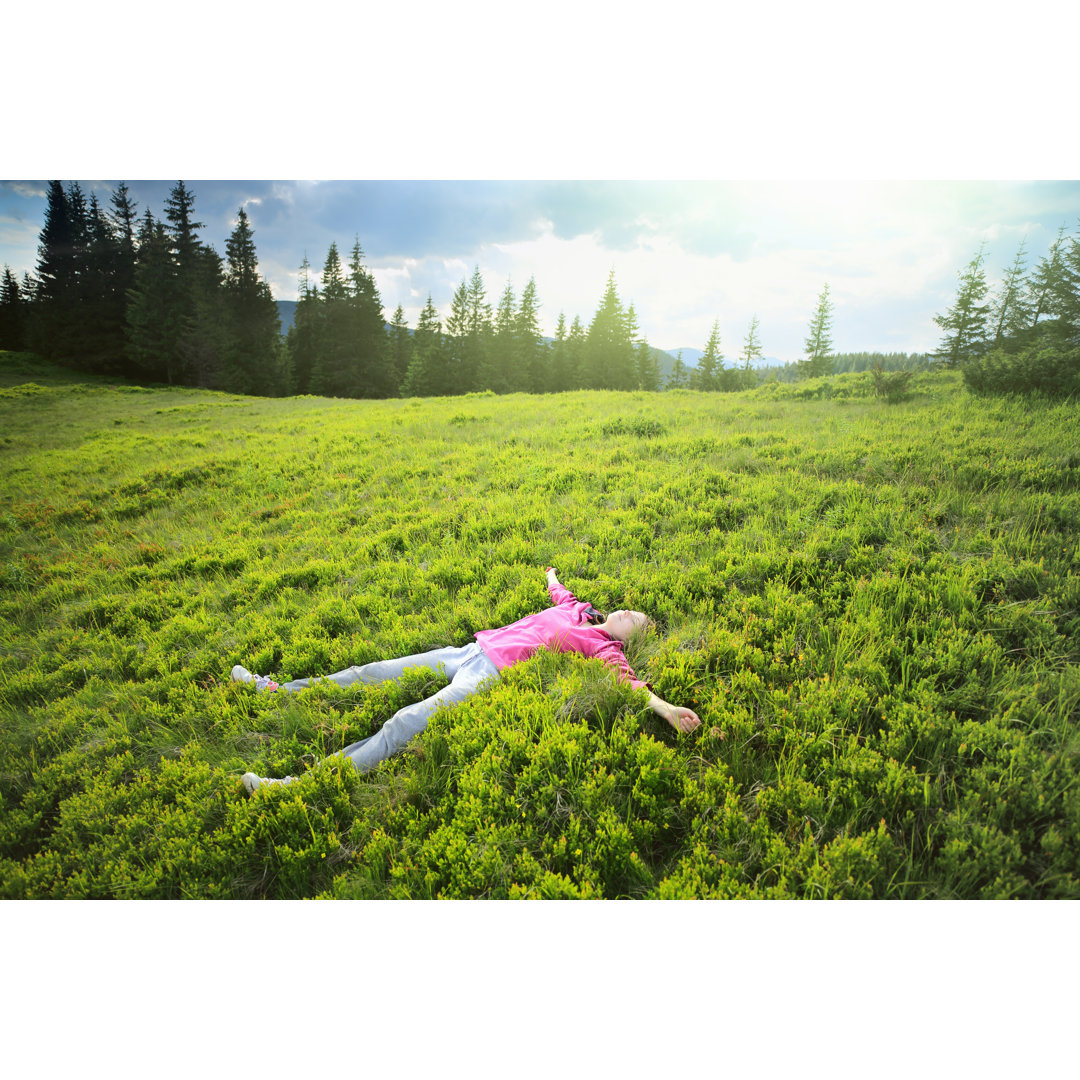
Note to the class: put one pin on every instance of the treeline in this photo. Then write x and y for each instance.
(1023, 334)
(116, 293)
(839, 363)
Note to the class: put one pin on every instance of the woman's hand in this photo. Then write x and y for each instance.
(680, 718)
(684, 720)
(552, 578)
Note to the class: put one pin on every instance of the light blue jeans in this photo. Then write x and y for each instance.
(467, 667)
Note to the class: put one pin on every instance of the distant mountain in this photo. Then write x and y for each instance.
(286, 312)
(690, 358)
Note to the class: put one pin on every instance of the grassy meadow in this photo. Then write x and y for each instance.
(874, 608)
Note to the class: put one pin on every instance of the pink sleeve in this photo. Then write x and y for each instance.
(561, 595)
(626, 671)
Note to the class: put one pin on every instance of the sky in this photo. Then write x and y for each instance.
(725, 164)
(687, 254)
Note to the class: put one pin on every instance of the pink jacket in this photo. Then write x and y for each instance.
(562, 628)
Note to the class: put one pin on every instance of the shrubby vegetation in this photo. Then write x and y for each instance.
(1023, 336)
(875, 610)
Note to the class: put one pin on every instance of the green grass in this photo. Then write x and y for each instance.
(873, 607)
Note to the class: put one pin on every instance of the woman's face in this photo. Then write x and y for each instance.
(621, 624)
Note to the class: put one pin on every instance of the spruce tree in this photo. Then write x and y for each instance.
(1009, 314)
(303, 339)
(123, 226)
(155, 320)
(104, 297)
(711, 363)
(648, 367)
(53, 326)
(330, 373)
(1049, 292)
(12, 313)
(252, 354)
(818, 344)
(425, 376)
(479, 374)
(965, 322)
(457, 337)
(203, 344)
(560, 360)
(199, 324)
(503, 378)
(751, 355)
(610, 351)
(679, 377)
(530, 352)
(751, 346)
(1069, 299)
(369, 358)
(577, 344)
(400, 347)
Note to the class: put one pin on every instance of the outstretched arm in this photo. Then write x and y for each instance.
(552, 578)
(680, 718)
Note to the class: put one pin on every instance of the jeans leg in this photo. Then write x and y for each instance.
(449, 659)
(474, 671)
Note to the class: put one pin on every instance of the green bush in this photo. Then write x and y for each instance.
(1052, 369)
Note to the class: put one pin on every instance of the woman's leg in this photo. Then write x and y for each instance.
(449, 658)
(472, 670)
(467, 668)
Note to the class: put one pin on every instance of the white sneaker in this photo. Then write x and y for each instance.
(252, 782)
(262, 682)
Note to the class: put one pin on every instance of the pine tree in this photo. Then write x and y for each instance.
(252, 356)
(1069, 299)
(746, 378)
(711, 363)
(751, 346)
(123, 226)
(181, 228)
(53, 329)
(648, 367)
(577, 344)
(154, 313)
(818, 343)
(1048, 286)
(103, 296)
(503, 378)
(400, 347)
(479, 373)
(330, 373)
(610, 351)
(196, 350)
(302, 340)
(965, 322)
(679, 377)
(1009, 313)
(203, 343)
(457, 337)
(12, 313)
(124, 220)
(560, 360)
(531, 359)
(370, 366)
(425, 374)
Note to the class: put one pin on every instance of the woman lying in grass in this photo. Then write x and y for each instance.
(569, 626)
